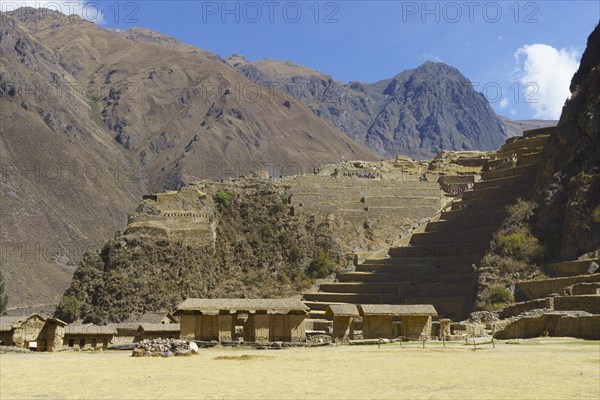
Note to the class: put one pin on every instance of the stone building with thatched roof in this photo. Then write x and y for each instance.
(343, 316)
(249, 320)
(127, 332)
(35, 332)
(89, 336)
(411, 321)
(160, 330)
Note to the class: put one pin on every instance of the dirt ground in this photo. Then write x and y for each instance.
(534, 369)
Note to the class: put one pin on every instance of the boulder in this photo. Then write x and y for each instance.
(193, 347)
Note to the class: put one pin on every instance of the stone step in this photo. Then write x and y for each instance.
(510, 172)
(377, 298)
(505, 160)
(425, 276)
(492, 192)
(440, 250)
(427, 267)
(389, 186)
(571, 268)
(528, 148)
(500, 200)
(505, 182)
(528, 159)
(341, 197)
(472, 234)
(535, 142)
(427, 263)
(413, 212)
(403, 201)
(490, 221)
(404, 289)
(410, 262)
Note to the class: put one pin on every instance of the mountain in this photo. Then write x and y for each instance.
(93, 118)
(418, 112)
(569, 179)
(517, 127)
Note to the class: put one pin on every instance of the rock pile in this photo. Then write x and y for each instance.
(164, 348)
(13, 349)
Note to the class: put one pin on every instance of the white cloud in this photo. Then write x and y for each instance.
(545, 74)
(513, 112)
(504, 102)
(85, 9)
(500, 37)
(429, 57)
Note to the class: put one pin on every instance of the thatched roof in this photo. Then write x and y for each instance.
(127, 326)
(90, 329)
(397, 310)
(8, 322)
(342, 310)
(159, 327)
(213, 306)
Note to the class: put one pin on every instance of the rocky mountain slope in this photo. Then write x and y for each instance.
(569, 177)
(417, 113)
(517, 127)
(93, 118)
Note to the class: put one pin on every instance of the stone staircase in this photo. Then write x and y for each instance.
(436, 267)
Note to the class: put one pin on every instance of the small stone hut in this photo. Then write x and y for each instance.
(160, 330)
(34, 332)
(89, 336)
(343, 316)
(411, 321)
(249, 320)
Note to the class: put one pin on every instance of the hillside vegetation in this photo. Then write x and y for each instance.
(261, 250)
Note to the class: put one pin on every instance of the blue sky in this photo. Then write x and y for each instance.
(373, 40)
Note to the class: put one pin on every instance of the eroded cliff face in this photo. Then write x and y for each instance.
(569, 177)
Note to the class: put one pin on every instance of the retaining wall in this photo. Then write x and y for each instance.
(589, 303)
(537, 289)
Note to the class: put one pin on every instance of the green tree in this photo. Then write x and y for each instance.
(224, 197)
(3, 297)
(321, 266)
(69, 309)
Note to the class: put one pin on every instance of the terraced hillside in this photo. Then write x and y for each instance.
(436, 267)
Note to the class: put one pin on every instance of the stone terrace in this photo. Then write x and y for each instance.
(436, 265)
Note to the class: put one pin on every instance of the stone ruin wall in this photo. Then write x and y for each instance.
(187, 216)
(530, 290)
(370, 205)
(553, 324)
(376, 211)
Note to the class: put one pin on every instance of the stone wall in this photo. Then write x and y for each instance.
(572, 268)
(519, 308)
(585, 288)
(553, 324)
(589, 303)
(537, 289)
